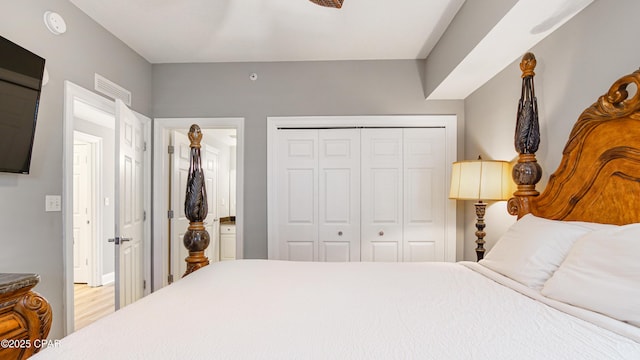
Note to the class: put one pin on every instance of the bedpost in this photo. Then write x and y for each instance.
(196, 239)
(527, 172)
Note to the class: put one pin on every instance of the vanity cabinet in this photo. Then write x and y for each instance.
(227, 242)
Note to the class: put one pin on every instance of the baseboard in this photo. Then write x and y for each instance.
(108, 278)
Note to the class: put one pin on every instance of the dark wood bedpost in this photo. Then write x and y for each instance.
(527, 172)
(196, 239)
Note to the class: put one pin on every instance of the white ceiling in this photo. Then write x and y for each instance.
(179, 31)
(187, 31)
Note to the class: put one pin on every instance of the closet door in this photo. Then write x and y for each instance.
(382, 195)
(297, 193)
(361, 194)
(424, 168)
(339, 195)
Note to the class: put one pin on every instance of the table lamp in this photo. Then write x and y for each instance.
(480, 180)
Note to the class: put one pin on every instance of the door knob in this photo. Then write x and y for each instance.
(118, 240)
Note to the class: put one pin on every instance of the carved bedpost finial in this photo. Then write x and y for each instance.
(528, 64)
(527, 172)
(195, 136)
(196, 239)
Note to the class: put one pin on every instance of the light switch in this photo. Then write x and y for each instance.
(53, 203)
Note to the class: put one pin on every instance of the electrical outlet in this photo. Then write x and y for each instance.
(53, 203)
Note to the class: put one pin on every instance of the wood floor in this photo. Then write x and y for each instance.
(92, 303)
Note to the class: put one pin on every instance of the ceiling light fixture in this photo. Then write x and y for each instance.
(329, 3)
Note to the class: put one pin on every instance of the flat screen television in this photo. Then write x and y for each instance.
(20, 85)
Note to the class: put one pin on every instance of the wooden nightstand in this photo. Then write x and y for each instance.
(25, 316)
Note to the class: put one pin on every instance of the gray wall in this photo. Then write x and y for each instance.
(576, 65)
(283, 89)
(31, 238)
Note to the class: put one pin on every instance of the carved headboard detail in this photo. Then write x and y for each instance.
(598, 179)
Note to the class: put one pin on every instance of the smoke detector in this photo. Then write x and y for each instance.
(55, 23)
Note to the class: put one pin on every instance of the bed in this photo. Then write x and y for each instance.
(560, 283)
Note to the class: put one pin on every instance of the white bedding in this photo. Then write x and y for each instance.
(258, 309)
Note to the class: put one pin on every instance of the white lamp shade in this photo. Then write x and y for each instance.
(480, 180)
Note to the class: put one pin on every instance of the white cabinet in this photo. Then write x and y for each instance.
(361, 194)
(227, 242)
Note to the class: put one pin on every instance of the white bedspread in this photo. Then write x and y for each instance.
(257, 309)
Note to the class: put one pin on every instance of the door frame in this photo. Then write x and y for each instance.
(74, 92)
(448, 122)
(96, 263)
(160, 131)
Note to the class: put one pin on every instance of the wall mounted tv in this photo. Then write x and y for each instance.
(20, 84)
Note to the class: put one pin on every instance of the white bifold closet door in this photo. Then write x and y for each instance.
(298, 194)
(403, 194)
(361, 194)
(381, 210)
(318, 195)
(339, 195)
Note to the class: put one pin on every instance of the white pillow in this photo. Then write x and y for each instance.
(602, 273)
(533, 248)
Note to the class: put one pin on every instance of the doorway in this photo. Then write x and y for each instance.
(90, 127)
(93, 177)
(222, 154)
(84, 221)
(93, 289)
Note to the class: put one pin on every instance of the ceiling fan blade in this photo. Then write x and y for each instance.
(329, 3)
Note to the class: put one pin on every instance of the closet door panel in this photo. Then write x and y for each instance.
(339, 195)
(382, 194)
(297, 195)
(424, 197)
(384, 251)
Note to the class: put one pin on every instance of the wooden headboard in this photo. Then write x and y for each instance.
(598, 179)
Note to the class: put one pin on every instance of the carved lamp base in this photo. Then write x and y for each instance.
(480, 225)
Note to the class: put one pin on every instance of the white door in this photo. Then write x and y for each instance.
(339, 195)
(382, 195)
(82, 234)
(130, 213)
(361, 194)
(424, 194)
(211, 223)
(297, 193)
(179, 222)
